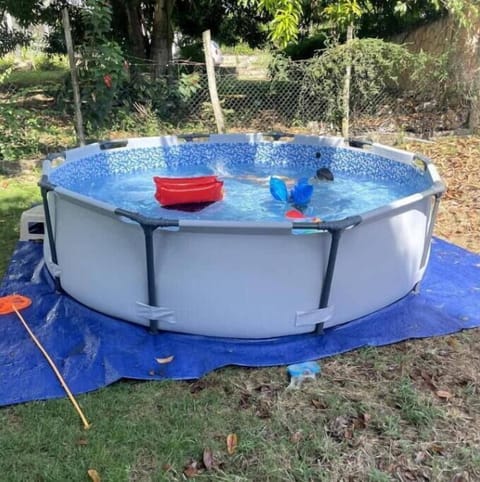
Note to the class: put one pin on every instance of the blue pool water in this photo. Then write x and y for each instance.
(125, 179)
(247, 195)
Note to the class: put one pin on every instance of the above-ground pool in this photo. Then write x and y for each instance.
(238, 267)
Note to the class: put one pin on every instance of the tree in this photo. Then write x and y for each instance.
(288, 13)
(145, 27)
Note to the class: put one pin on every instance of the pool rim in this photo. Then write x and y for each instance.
(437, 187)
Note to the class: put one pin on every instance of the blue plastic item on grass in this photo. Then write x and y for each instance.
(302, 371)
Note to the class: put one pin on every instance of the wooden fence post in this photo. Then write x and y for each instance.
(212, 84)
(73, 72)
(346, 86)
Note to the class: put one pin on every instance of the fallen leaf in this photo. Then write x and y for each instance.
(461, 477)
(245, 400)
(162, 361)
(409, 475)
(198, 386)
(444, 394)
(93, 474)
(296, 437)
(362, 420)
(320, 404)
(453, 342)
(231, 443)
(191, 469)
(167, 467)
(208, 460)
(420, 457)
(341, 428)
(436, 449)
(427, 378)
(82, 441)
(263, 409)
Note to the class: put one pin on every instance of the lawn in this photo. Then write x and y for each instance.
(409, 411)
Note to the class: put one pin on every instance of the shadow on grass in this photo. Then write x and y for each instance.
(14, 169)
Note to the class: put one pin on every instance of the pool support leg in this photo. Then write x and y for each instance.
(327, 281)
(149, 225)
(149, 257)
(336, 229)
(45, 188)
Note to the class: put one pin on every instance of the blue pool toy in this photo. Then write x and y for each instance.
(300, 194)
(278, 189)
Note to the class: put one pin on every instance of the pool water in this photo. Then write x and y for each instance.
(246, 193)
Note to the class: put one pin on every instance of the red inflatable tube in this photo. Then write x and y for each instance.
(186, 190)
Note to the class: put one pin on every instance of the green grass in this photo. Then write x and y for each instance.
(15, 197)
(415, 409)
(36, 77)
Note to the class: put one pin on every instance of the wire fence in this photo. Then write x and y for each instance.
(271, 103)
(263, 103)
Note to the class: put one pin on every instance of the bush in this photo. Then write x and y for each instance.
(376, 67)
(9, 40)
(306, 48)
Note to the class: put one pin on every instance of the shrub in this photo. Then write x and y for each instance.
(306, 48)
(376, 66)
(10, 39)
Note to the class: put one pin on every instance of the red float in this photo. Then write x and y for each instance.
(187, 190)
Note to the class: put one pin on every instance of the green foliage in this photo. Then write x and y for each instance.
(102, 69)
(110, 87)
(240, 48)
(192, 51)
(5, 74)
(287, 15)
(376, 475)
(437, 77)
(376, 66)
(26, 133)
(307, 47)
(230, 22)
(415, 409)
(18, 133)
(26, 12)
(372, 18)
(10, 40)
(343, 13)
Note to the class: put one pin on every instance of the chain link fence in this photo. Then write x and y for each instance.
(263, 103)
(298, 102)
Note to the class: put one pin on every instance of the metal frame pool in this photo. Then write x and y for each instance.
(231, 278)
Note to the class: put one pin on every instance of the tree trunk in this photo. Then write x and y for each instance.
(162, 36)
(135, 34)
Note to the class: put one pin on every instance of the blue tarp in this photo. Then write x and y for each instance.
(93, 350)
